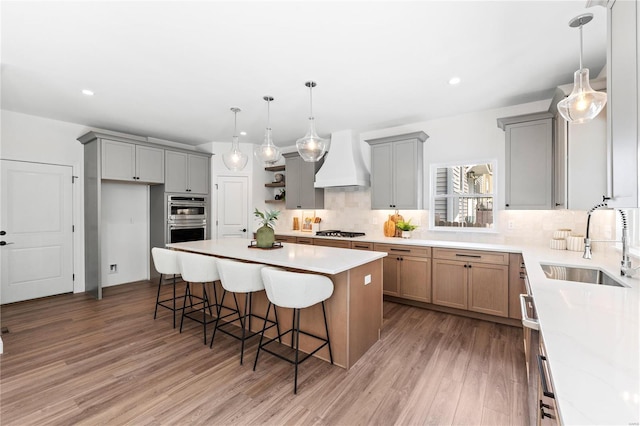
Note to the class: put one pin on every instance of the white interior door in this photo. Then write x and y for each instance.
(233, 202)
(36, 216)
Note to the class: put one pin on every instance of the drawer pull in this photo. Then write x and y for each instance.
(543, 378)
(476, 256)
(357, 246)
(397, 249)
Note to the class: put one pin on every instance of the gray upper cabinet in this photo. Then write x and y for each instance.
(186, 173)
(580, 156)
(623, 83)
(300, 191)
(130, 162)
(397, 171)
(529, 161)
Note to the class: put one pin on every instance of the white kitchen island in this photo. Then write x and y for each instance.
(354, 311)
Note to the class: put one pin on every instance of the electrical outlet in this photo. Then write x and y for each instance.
(374, 221)
(113, 268)
(367, 279)
(511, 224)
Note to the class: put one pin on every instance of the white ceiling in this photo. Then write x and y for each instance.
(171, 70)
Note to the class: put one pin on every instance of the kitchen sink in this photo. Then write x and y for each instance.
(583, 275)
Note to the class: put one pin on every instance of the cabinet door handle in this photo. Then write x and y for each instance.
(543, 378)
(475, 256)
(402, 250)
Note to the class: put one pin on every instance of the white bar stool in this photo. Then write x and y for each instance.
(295, 291)
(198, 268)
(166, 262)
(239, 277)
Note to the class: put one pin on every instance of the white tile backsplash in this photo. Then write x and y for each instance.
(349, 209)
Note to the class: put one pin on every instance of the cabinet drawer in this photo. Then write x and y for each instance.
(332, 243)
(404, 250)
(472, 256)
(284, 238)
(357, 245)
(304, 240)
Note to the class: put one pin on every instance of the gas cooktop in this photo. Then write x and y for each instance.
(337, 233)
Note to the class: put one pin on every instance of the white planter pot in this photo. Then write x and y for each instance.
(406, 234)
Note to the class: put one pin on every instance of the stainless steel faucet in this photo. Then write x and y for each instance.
(625, 265)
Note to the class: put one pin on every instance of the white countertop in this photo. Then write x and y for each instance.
(325, 260)
(591, 332)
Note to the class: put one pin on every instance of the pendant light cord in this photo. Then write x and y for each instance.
(235, 124)
(311, 101)
(580, 46)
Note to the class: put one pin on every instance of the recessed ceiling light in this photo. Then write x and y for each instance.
(87, 92)
(454, 80)
(243, 133)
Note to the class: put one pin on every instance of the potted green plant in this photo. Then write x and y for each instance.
(265, 235)
(406, 228)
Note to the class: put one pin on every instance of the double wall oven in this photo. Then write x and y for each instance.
(186, 218)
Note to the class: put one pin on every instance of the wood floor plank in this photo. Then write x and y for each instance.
(71, 359)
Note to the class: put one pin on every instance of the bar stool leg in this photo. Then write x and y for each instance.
(242, 324)
(174, 301)
(297, 335)
(187, 292)
(264, 327)
(158, 298)
(218, 312)
(205, 304)
(326, 328)
(275, 312)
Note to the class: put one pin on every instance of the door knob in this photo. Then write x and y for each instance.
(3, 232)
(4, 243)
(244, 230)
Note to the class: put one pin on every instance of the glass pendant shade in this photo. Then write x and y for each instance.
(584, 103)
(311, 147)
(235, 159)
(268, 153)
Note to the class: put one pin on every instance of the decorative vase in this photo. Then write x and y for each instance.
(406, 234)
(265, 237)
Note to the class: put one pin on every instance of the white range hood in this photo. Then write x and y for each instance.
(343, 164)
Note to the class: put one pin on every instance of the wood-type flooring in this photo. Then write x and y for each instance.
(70, 359)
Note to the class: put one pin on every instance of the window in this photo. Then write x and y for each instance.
(462, 197)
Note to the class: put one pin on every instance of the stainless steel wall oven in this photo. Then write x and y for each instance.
(186, 218)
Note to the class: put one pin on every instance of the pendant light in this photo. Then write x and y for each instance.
(584, 103)
(311, 147)
(267, 152)
(235, 159)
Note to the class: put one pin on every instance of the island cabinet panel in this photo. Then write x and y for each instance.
(407, 271)
(472, 280)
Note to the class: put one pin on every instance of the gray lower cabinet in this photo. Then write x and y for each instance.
(130, 162)
(623, 83)
(299, 184)
(186, 173)
(397, 171)
(529, 161)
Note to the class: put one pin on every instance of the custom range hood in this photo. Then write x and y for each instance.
(343, 164)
